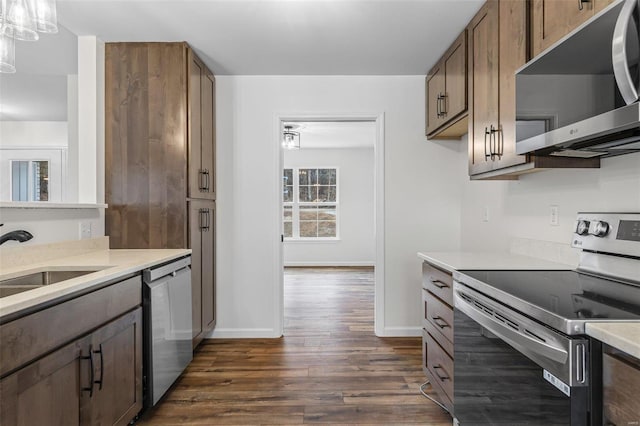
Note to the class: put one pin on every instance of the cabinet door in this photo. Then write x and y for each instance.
(48, 391)
(208, 136)
(435, 90)
(196, 225)
(208, 269)
(513, 54)
(196, 172)
(116, 349)
(553, 19)
(455, 66)
(145, 145)
(483, 85)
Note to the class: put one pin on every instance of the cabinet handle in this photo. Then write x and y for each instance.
(486, 133)
(201, 178)
(442, 323)
(206, 180)
(438, 283)
(91, 373)
(201, 219)
(500, 141)
(444, 104)
(581, 3)
(438, 108)
(439, 367)
(99, 382)
(207, 215)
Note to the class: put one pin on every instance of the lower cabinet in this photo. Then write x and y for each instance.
(621, 387)
(78, 362)
(437, 331)
(95, 380)
(202, 218)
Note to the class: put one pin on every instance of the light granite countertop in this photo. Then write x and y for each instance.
(110, 265)
(461, 260)
(624, 336)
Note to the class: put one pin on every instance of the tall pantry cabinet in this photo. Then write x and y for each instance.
(160, 159)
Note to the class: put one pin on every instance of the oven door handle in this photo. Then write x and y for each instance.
(509, 335)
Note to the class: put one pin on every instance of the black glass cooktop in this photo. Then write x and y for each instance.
(567, 294)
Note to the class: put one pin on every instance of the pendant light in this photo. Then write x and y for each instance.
(20, 19)
(23, 20)
(46, 16)
(7, 52)
(290, 139)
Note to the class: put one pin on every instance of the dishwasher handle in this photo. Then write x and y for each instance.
(157, 272)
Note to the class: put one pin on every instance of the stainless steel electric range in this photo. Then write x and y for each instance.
(521, 355)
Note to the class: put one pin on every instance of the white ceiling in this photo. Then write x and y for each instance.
(241, 37)
(335, 134)
(285, 37)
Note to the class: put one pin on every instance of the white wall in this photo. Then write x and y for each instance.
(356, 245)
(51, 225)
(521, 209)
(19, 134)
(424, 182)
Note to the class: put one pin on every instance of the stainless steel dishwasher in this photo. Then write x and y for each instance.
(167, 326)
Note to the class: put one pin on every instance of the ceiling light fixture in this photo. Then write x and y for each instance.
(290, 138)
(23, 20)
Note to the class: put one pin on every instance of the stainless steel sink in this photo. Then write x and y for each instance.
(36, 280)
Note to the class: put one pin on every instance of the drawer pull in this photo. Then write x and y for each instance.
(440, 322)
(439, 367)
(438, 283)
(91, 373)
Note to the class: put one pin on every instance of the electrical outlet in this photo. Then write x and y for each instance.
(553, 216)
(85, 230)
(485, 214)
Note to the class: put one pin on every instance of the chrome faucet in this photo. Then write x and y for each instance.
(20, 236)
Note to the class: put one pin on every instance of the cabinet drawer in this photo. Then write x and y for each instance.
(31, 336)
(439, 337)
(621, 387)
(439, 365)
(440, 315)
(438, 282)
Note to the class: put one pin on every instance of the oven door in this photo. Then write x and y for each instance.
(511, 370)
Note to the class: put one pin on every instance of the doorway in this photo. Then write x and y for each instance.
(338, 167)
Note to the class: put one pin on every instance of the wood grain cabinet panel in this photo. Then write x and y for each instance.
(94, 380)
(446, 93)
(160, 155)
(553, 19)
(437, 330)
(621, 388)
(498, 46)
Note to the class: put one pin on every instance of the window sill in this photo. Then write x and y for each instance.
(49, 205)
(311, 240)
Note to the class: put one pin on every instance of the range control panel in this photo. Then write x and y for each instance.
(617, 233)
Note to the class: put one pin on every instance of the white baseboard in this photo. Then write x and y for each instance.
(243, 333)
(331, 263)
(401, 332)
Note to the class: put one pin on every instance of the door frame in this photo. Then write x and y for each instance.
(378, 218)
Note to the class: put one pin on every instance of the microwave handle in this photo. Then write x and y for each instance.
(627, 88)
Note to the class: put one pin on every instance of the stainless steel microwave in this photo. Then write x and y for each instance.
(579, 98)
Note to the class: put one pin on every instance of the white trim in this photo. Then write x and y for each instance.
(378, 118)
(49, 205)
(379, 277)
(243, 333)
(312, 240)
(401, 332)
(331, 263)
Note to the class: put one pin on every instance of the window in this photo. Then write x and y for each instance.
(29, 180)
(310, 203)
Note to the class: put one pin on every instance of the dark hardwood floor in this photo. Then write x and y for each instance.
(329, 368)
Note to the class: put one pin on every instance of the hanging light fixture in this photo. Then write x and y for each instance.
(7, 53)
(23, 20)
(290, 139)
